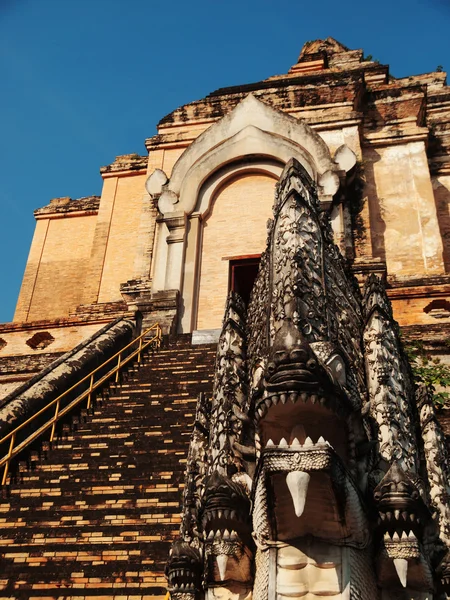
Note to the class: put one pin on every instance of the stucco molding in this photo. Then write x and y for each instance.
(251, 128)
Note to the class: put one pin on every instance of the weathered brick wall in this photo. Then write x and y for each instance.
(55, 274)
(95, 518)
(120, 252)
(15, 370)
(28, 363)
(113, 253)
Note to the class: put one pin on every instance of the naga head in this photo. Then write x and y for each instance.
(184, 569)
(227, 531)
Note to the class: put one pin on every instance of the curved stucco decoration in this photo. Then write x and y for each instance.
(252, 127)
(250, 141)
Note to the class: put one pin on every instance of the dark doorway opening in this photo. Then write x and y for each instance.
(243, 272)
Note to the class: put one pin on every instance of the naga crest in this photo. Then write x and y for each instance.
(316, 468)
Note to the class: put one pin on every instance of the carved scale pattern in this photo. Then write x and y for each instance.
(230, 389)
(197, 462)
(257, 321)
(437, 460)
(389, 386)
(362, 584)
(344, 312)
(261, 585)
(297, 266)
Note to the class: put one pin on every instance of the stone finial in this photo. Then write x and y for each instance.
(155, 183)
(345, 158)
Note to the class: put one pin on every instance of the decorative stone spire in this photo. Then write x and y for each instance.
(305, 466)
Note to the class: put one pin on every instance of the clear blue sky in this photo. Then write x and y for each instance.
(85, 80)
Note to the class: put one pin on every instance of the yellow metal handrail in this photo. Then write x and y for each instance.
(14, 450)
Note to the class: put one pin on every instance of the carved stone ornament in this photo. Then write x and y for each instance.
(316, 469)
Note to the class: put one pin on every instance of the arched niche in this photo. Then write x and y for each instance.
(253, 137)
(229, 220)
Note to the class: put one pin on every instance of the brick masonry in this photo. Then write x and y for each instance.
(94, 517)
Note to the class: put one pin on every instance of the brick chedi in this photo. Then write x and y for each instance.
(172, 234)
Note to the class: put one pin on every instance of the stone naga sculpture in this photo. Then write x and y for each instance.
(316, 469)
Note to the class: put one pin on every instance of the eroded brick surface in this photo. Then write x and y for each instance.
(96, 517)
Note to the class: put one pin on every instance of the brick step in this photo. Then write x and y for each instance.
(93, 514)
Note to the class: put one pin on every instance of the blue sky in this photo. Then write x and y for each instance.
(85, 80)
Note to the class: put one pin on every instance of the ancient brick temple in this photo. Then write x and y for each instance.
(311, 209)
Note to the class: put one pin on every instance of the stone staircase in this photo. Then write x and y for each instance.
(94, 515)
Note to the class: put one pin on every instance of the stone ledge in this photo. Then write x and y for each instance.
(435, 337)
(205, 336)
(88, 314)
(58, 206)
(126, 162)
(62, 373)
(26, 364)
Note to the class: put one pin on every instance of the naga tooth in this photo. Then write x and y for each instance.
(412, 516)
(396, 537)
(283, 398)
(404, 515)
(401, 566)
(210, 536)
(386, 537)
(218, 535)
(233, 514)
(270, 443)
(382, 516)
(268, 402)
(226, 534)
(404, 535)
(234, 535)
(308, 442)
(283, 443)
(297, 482)
(321, 440)
(388, 515)
(314, 398)
(304, 396)
(222, 561)
(293, 397)
(397, 514)
(295, 442)
(226, 514)
(275, 400)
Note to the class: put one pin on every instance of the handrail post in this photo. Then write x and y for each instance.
(118, 368)
(52, 435)
(140, 348)
(91, 385)
(11, 447)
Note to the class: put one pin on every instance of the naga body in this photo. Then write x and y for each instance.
(317, 469)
